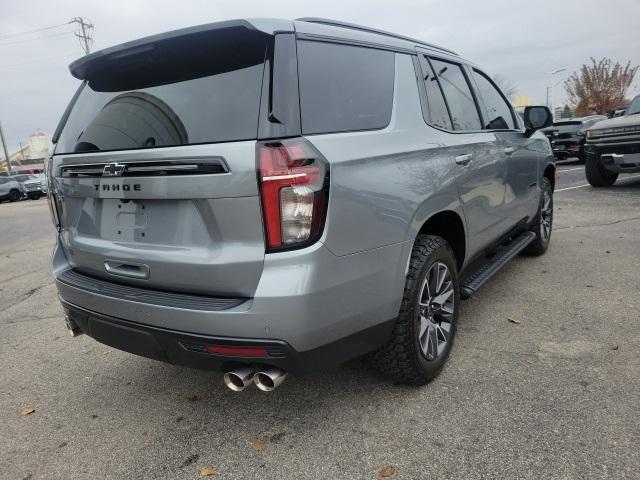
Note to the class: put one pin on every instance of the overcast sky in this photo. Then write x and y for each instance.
(521, 41)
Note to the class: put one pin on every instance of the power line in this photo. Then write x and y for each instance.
(84, 34)
(35, 30)
(37, 38)
(70, 54)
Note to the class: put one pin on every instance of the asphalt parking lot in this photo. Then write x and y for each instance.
(556, 395)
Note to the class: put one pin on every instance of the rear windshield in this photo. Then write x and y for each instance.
(567, 127)
(204, 95)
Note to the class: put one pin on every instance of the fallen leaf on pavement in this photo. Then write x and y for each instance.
(615, 347)
(513, 320)
(259, 445)
(27, 410)
(206, 471)
(386, 471)
(193, 398)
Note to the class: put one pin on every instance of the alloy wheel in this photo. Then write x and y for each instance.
(436, 305)
(546, 216)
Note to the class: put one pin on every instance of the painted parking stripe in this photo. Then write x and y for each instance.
(588, 185)
(572, 188)
(570, 169)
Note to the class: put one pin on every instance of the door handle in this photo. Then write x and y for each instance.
(464, 159)
(509, 150)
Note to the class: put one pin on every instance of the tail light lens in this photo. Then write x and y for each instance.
(294, 186)
(52, 199)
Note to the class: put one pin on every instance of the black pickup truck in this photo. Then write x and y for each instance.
(567, 137)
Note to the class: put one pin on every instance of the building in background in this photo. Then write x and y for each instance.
(30, 157)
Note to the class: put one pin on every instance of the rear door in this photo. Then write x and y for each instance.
(480, 167)
(4, 190)
(155, 166)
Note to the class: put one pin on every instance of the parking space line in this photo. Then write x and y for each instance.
(570, 169)
(588, 185)
(572, 188)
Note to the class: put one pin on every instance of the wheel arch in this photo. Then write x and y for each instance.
(550, 173)
(449, 225)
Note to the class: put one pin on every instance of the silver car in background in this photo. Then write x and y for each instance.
(10, 189)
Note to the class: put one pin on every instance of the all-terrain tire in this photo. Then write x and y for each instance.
(540, 245)
(402, 359)
(597, 175)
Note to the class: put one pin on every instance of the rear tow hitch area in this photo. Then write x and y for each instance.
(72, 328)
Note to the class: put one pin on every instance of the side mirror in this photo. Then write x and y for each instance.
(536, 118)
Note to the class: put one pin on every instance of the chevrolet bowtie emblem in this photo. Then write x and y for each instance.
(113, 170)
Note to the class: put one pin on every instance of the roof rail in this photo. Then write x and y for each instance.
(353, 26)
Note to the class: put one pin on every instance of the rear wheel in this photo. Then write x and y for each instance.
(14, 195)
(424, 331)
(597, 175)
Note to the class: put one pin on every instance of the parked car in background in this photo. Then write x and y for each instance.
(35, 186)
(261, 214)
(616, 113)
(10, 189)
(613, 147)
(568, 137)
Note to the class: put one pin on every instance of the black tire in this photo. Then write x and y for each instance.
(597, 175)
(14, 195)
(402, 359)
(34, 197)
(543, 219)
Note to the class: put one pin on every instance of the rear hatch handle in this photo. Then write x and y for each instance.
(126, 269)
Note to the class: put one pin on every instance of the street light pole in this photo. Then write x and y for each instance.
(6, 153)
(553, 103)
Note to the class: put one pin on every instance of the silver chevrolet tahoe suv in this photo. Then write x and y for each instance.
(267, 196)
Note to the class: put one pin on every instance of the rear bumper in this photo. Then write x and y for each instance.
(566, 149)
(189, 350)
(321, 308)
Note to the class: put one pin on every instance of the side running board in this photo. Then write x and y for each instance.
(476, 279)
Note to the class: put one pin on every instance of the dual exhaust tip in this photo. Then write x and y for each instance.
(266, 379)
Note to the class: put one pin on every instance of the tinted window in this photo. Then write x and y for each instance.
(182, 106)
(498, 111)
(344, 88)
(464, 114)
(437, 108)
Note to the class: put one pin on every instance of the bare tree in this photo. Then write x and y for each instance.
(599, 87)
(507, 87)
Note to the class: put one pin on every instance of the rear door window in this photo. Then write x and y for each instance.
(462, 106)
(207, 94)
(499, 116)
(344, 88)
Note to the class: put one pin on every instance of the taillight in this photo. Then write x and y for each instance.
(294, 186)
(52, 200)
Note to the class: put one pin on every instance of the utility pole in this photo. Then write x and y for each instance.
(84, 34)
(6, 153)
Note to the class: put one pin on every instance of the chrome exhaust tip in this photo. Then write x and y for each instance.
(239, 378)
(72, 328)
(268, 379)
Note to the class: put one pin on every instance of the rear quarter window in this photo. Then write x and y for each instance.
(344, 88)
